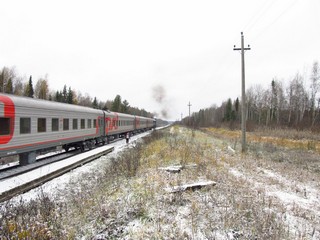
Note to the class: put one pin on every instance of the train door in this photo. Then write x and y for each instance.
(102, 125)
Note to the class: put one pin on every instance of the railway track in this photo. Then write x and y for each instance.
(17, 169)
(92, 155)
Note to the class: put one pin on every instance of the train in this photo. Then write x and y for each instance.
(28, 126)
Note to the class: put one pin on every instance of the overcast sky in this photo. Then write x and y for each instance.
(130, 48)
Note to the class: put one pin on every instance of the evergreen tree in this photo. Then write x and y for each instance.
(236, 105)
(70, 96)
(9, 87)
(125, 106)
(228, 114)
(64, 94)
(116, 105)
(29, 90)
(95, 103)
(58, 96)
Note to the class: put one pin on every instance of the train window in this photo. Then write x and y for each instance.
(25, 125)
(89, 123)
(94, 123)
(74, 124)
(55, 124)
(42, 125)
(65, 124)
(83, 124)
(4, 126)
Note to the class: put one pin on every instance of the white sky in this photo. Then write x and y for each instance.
(105, 48)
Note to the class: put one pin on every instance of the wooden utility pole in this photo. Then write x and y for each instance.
(243, 93)
(189, 105)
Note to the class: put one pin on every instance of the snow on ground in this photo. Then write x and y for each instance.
(301, 201)
(9, 183)
(7, 165)
(58, 183)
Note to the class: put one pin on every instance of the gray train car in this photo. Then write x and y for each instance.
(143, 123)
(118, 124)
(28, 125)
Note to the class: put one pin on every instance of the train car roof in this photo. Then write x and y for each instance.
(121, 115)
(49, 105)
(145, 118)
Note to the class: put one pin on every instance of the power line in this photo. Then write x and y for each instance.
(276, 19)
(260, 13)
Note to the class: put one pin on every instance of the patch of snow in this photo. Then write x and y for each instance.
(236, 173)
(7, 165)
(303, 202)
(231, 150)
(189, 186)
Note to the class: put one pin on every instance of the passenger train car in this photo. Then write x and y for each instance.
(28, 125)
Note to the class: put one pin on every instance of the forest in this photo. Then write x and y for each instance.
(295, 104)
(12, 83)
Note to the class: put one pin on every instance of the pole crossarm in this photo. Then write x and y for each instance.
(239, 49)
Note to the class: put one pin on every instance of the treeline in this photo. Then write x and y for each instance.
(11, 83)
(295, 105)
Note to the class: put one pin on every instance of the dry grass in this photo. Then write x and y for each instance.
(290, 139)
(127, 198)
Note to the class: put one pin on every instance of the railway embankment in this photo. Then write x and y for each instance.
(30, 179)
(180, 184)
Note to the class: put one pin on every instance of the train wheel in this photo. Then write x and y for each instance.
(82, 148)
(66, 148)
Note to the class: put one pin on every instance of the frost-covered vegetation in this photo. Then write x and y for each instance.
(270, 193)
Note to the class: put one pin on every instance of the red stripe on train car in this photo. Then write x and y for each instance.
(9, 112)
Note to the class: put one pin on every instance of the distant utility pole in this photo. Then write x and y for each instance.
(189, 105)
(2, 76)
(243, 95)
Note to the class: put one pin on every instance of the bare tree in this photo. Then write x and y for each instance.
(84, 100)
(7, 77)
(255, 100)
(42, 88)
(18, 86)
(314, 87)
(277, 99)
(297, 98)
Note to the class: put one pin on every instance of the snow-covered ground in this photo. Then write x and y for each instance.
(301, 201)
(58, 183)
(252, 197)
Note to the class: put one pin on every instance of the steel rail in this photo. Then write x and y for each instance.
(41, 180)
